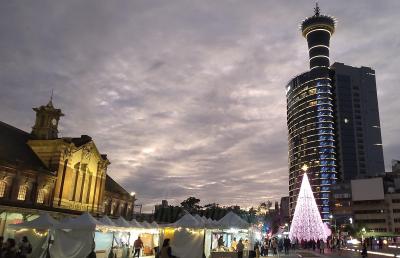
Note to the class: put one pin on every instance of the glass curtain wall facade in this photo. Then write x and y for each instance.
(310, 118)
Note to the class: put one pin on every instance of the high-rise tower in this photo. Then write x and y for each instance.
(332, 118)
(310, 117)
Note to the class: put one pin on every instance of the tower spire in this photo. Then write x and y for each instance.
(316, 9)
(50, 104)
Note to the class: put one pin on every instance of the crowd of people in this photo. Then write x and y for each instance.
(10, 248)
(273, 246)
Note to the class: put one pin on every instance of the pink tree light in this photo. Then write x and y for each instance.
(307, 223)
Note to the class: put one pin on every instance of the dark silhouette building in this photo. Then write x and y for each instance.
(333, 120)
(359, 142)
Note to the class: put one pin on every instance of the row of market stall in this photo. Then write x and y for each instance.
(190, 236)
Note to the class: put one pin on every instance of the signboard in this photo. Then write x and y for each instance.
(367, 189)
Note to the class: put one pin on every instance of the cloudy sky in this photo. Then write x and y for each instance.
(186, 97)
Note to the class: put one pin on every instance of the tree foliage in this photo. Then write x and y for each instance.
(191, 204)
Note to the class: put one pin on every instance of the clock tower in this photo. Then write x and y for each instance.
(46, 124)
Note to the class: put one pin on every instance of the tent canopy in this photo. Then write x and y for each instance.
(188, 221)
(146, 224)
(154, 224)
(135, 224)
(107, 221)
(83, 222)
(43, 222)
(232, 220)
(121, 222)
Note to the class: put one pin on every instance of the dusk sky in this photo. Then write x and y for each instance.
(186, 97)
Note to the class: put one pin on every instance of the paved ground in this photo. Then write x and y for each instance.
(344, 253)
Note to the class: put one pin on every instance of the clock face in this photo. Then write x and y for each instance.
(54, 121)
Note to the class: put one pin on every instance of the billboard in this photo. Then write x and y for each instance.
(367, 189)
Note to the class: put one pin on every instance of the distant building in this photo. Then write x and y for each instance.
(284, 209)
(396, 166)
(342, 203)
(40, 171)
(371, 203)
(358, 130)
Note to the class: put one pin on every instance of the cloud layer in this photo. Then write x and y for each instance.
(186, 97)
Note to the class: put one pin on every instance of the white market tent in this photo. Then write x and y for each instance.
(121, 222)
(187, 221)
(211, 223)
(154, 224)
(135, 224)
(83, 222)
(43, 222)
(146, 225)
(232, 220)
(231, 224)
(187, 237)
(107, 221)
(75, 238)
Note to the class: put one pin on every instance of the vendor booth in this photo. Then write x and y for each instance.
(186, 237)
(150, 236)
(221, 241)
(38, 232)
(75, 238)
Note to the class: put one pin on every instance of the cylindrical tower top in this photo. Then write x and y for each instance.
(318, 30)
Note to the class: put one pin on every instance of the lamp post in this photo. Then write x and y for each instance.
(333, 219)
(362, 235)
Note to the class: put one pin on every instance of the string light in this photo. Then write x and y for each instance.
(40, 234)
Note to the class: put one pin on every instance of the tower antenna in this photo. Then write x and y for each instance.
(51, 96)
(316, 9)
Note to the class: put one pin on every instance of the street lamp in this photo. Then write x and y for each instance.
(332, 218)
(362, 234)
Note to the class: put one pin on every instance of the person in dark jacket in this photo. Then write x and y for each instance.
(166, 251)
(364, 252)
(286, 245)
(10, 249)
(24, 247)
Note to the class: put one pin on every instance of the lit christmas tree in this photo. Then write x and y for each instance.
(307, 223)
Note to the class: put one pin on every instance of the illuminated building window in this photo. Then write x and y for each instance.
(312, 91)
(22, 192)
(312, 103)
(3, 186)
(41, 195)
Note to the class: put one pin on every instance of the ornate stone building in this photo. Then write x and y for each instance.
(40, 171)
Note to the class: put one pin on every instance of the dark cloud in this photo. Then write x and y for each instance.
(186, 97)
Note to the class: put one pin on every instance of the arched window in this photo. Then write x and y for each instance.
(3, 187)
(41, 195)
(22, 192)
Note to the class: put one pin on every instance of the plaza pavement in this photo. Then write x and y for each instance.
(336, 254)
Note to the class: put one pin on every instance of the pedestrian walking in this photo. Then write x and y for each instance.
(321, 246)
(274, 245)
(364, 252)
(137, 245)
(240, 249)
(286, 245)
